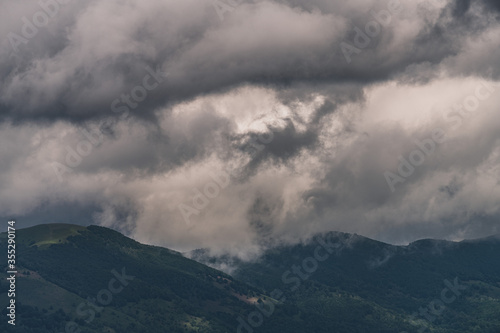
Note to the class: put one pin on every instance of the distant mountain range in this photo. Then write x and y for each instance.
(94, 279)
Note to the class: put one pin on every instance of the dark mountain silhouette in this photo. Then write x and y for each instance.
(93, 279)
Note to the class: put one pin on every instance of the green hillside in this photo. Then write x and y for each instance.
(46, 234)
(388, 283)
(93, 279)
(61, 266)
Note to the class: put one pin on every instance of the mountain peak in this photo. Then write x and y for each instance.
(47, 234)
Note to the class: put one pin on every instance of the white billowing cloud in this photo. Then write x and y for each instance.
(337, 184)
(266, 94)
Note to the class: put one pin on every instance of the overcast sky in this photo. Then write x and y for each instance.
(236, 125)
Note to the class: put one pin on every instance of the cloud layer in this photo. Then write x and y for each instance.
(237, 125)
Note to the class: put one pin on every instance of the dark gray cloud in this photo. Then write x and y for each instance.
(73, 71)
(179, 98)
(493, 4)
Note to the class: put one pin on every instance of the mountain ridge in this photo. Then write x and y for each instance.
(335, 282)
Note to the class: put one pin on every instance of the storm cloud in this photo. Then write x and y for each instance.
(234, 125)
